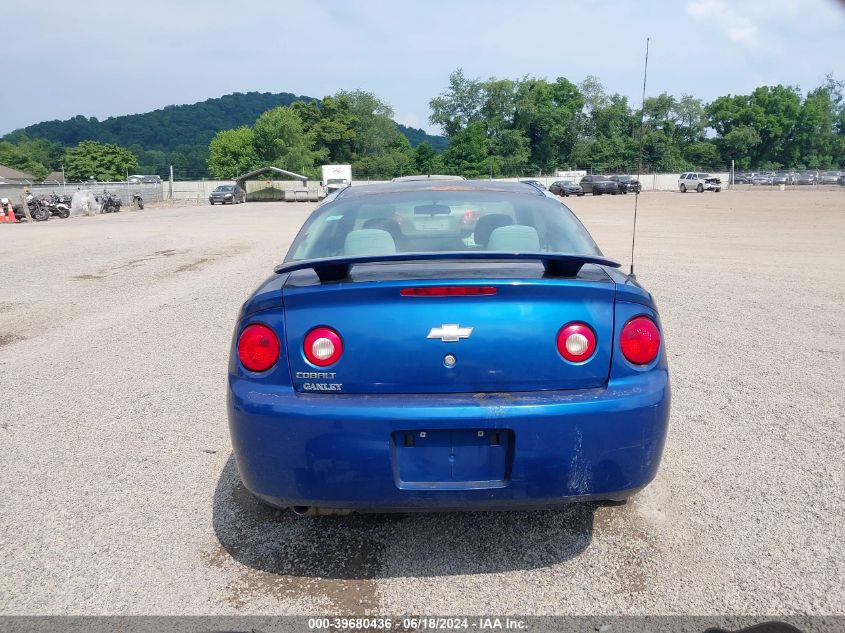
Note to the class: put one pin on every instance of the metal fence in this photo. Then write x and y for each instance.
(150, 192)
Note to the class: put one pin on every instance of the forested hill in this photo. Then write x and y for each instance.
(180, 125)
(416, 136)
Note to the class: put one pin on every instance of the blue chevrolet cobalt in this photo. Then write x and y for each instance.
(438, 345)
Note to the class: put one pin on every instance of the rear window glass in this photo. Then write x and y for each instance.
(441, 221)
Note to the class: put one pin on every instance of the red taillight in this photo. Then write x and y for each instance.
(576, 342)
(449, 291)
(322, 346)
(258, 347)
(640, 340)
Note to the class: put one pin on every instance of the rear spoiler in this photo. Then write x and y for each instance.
(337, 268)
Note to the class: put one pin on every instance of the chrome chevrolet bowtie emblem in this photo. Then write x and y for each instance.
(450, 332)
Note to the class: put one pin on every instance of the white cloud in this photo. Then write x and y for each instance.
(738, 28)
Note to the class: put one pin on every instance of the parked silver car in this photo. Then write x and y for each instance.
(829, 177)
(784, 178)
(699, 182)
(808, 178)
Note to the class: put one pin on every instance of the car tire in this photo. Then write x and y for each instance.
(580, 195)
(699, 188)
(683, 188)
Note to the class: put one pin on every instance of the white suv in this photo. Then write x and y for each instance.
(698, 182)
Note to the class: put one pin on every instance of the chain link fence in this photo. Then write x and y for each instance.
(150, 192)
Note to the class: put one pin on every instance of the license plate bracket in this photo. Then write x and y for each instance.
(452, 458)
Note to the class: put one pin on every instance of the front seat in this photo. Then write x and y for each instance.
(487, 224)
(369, 242)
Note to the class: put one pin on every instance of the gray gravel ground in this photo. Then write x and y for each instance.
(118, 493)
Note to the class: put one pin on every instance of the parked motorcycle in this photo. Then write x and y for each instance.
(37, 210)
(138, 200)
(57, 205)
(109, 203)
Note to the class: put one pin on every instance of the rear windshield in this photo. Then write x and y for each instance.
(441, 221)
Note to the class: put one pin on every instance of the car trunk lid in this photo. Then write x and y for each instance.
(503, 340)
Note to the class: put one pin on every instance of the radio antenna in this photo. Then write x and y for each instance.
(639, 160)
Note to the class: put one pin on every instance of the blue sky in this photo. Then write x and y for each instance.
(111, 58)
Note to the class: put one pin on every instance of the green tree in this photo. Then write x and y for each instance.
(529, 122)
(740, 144)
(396, 159)
(102, 161)
(47, 153)
(374, 127)
(547, 115)
(701, 155)
(772, 112)
(13, 156)
(231, 153)
(815, 130)
(279, 140)
(331, 125)
(379, 149)
(424, 158)
(690, 119)
(459, 105)
(611, 132)
(509, 153)
(468, 153)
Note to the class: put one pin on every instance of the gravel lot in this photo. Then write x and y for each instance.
(118, 493)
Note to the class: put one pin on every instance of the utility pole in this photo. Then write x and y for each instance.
(171, 183)
(26, 206)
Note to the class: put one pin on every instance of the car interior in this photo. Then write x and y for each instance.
(442, 226)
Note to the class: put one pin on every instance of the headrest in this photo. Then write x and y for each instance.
(369, 242)
(485, 225)
(516, 238)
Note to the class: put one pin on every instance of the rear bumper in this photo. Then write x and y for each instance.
(341, 451)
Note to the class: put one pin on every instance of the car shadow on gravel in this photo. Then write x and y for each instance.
(369, 546)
